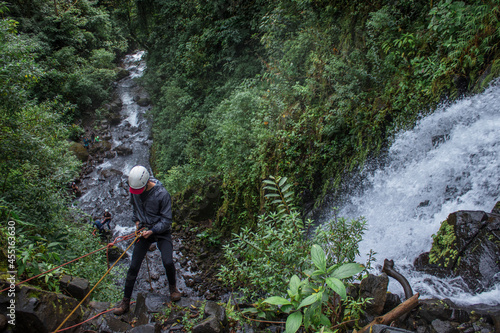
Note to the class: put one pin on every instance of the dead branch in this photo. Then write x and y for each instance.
(394, 314)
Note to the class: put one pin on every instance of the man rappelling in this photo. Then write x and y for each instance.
(152, 209)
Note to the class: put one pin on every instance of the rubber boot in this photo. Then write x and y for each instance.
(175, 294)
(122, 307)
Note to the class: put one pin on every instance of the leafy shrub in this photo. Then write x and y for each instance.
(261, 261)
(316, 302)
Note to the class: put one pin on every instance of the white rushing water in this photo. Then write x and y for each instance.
(448, 162)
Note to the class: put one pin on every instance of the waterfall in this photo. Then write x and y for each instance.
(448, 162)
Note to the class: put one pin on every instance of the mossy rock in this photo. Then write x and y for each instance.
(466, 245)
(79, 151)
(42, 311)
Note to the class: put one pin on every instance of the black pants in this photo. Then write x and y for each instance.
(164, 243)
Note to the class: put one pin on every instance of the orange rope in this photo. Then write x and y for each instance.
(83, 322)
(95, 286)
(117, 240)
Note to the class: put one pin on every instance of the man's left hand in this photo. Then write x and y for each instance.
(146, 234)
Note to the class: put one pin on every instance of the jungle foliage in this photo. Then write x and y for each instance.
(303, 88)
(57, 62)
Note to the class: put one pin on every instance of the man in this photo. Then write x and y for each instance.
(153, 210)
(103, 220)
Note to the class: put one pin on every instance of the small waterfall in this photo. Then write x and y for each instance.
(448, 162)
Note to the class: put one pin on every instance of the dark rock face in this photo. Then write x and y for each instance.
(74, 286)
(467, 245)
(215, 320)
(375, 287)
(42, 311)
(114, 253)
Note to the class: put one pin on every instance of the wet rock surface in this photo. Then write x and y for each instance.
(466, 246)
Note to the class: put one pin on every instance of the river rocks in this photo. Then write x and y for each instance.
(107, 173)
(121, 73)
(74, 286)
(79, 151)
(467, 245)
(100, 147)
(124, 150)
(42, 311)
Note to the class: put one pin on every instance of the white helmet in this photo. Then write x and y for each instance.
(137, 179)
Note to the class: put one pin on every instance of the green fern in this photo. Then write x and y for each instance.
(280, 194)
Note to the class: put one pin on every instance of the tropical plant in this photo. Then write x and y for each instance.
(316, 301)
(260, 261)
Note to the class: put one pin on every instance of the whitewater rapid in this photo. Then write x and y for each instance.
(448, 162)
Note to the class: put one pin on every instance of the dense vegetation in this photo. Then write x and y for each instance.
(242, 89)
(57, 60)
(303, 88)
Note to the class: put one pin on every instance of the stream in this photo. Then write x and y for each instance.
(106, 186)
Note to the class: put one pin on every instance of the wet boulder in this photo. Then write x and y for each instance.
(114, 253)
(466, 245)
(124, 150)
(79, 151)
(100, 147)
(144, 101)
(121, 73)
(114, 118)
(107, 173)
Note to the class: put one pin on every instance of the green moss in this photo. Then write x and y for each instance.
(444, 251)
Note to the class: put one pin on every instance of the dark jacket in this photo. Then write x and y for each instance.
(153, 209)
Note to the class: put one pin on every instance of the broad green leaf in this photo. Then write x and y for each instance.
(286, 187)
(325, 321)
(294, 284)
(287, 308)
(337, 286)
(282, 181)
(317, 273)
(310, 299)
(347, 270)
(293, 322)
(276, 300)
(318, 257)
(270, 182)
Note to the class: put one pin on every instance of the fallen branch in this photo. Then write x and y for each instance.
(394, 314)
